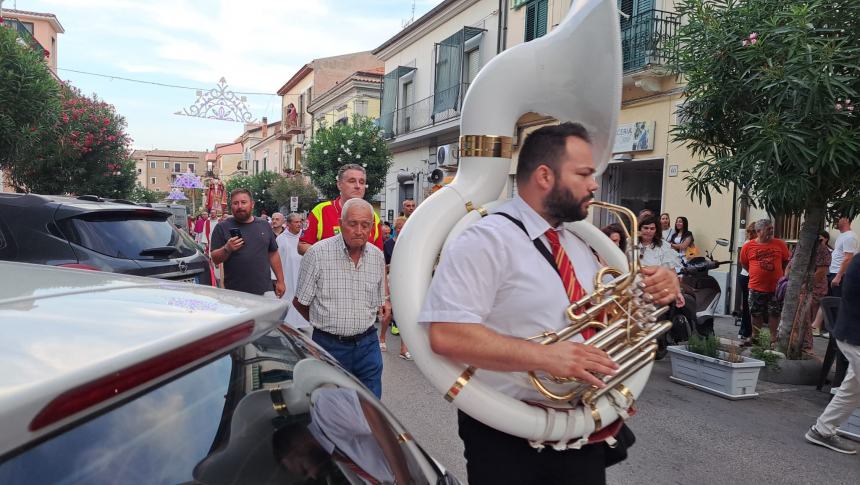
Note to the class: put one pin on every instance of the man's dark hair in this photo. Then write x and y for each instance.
(546, 146)
(240, 190)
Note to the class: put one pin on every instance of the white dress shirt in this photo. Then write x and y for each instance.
(846, 242)
(492, 274)
(337, 421)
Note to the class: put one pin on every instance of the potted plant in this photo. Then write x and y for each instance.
(704, 365)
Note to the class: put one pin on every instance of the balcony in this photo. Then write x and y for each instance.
(427, 112)
(25, 36)
(646, 39)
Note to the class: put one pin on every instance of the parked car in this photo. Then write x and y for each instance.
(111, 378)
(92, 233)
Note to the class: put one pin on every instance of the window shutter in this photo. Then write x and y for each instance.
(530, 21)
(541, 20)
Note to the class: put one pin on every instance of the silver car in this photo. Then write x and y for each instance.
(111, 378)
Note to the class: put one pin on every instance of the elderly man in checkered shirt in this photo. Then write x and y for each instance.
(341, 289)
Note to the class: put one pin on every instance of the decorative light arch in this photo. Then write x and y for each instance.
(219, 103)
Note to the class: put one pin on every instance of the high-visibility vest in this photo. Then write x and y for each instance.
(331, 218)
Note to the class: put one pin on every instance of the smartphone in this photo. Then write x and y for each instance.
(235, 232)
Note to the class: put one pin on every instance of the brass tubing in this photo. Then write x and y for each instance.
(633, 366)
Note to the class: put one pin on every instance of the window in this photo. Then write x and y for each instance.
(361, 107)
(177, 167)
(152, 180)
(139, 171)
(167, 165)
(473, 65)
(191, 167)
(151, 164)
(536, 19)
(127, 236)
(28, 26)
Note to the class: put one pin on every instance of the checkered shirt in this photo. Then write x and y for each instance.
(343, 298)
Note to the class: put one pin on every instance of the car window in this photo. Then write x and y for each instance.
(225, 423)
(157, 438)
(8, 251)
(127, 235)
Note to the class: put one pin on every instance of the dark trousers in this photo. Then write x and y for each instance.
(746, 321)
(361, 357)
(833, 290)
(494, 457)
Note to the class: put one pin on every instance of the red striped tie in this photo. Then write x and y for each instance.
(568, 275)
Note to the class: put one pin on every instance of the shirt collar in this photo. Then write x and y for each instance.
(535, 225)
(346, 249)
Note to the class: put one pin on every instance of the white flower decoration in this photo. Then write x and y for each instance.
(359, 133)
(364, 165)
(342, 145)
(339, 159)
(313, 172)
(349, 142)
(325, 152)
(358, 156)
(374, 148)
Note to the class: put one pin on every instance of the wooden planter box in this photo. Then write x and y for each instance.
(851, 429)
(720, 377)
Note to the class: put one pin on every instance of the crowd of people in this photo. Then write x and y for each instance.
(332, 267)
(492, 286)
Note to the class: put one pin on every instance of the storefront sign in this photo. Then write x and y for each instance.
(634, 137)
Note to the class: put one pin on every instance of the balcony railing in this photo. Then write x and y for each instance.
(429, 111)
(646, 39)
(25, 35)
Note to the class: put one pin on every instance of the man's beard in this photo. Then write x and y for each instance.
(562, 206)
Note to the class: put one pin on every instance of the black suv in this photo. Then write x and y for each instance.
(92, 233)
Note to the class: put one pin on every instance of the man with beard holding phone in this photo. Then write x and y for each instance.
(511, 276)
(248, 249)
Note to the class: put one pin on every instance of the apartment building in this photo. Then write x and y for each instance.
(38, 30)
(358, 94)
(429, 66)
(297, 94)
(158, 169)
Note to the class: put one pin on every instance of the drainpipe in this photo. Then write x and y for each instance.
(502, 41)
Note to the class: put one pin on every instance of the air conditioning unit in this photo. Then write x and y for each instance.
(448, 155)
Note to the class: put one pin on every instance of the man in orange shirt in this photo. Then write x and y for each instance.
(765, 258)
(324, 219)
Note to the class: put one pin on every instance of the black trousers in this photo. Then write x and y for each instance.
(494, 457)
(746, 321)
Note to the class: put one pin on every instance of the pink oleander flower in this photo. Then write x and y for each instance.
(838, 106)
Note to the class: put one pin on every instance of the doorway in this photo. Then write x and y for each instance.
(634, 184)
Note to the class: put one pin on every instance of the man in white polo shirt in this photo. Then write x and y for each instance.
(845, 248)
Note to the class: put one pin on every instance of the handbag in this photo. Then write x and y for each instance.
(781, 287)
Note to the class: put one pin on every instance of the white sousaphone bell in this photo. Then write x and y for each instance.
(571, 74)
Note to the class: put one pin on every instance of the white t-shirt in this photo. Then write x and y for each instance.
(847, 242)
(667, 233)
(662, 255)
(492, 274)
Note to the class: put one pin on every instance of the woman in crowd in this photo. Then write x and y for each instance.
(198, 225)
(653, 250)
(745, 332)
(665, 226)
(615, 232)
(681, 237)
(823, 256)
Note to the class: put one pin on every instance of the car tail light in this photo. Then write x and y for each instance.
(79, 266)
(104, 388)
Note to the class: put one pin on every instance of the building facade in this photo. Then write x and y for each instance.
(429, 66)
(299, 92)
(158, 169)
(358, 94)
(38, 30)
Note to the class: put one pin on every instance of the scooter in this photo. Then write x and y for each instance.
(701, 295)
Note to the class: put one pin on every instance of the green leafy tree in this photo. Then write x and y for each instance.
(295, 187)
(771, 88)
(360, 142)
(141, 194)
(29, 99)
(86, 152)
(260, 186)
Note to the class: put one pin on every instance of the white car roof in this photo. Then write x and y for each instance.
(62, 330)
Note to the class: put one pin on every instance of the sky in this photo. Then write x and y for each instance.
(256, 45)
